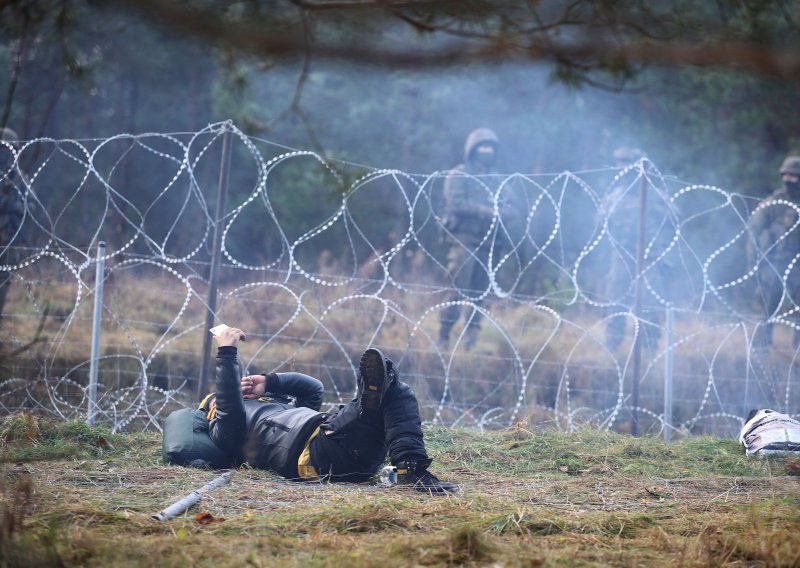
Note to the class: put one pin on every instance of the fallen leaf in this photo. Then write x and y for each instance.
(207, 518)
(563, 469)
(653, 490)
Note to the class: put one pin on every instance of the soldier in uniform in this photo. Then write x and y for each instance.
(772, 247)
(469, 217)
(12, 210)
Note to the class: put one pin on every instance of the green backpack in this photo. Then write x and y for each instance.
(186, 441)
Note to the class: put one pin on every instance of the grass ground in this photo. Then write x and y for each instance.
(71, 495)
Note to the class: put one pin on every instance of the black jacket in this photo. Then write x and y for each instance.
(269, 433)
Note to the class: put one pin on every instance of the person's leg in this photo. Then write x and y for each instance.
(402, 426)
(5, 284)
(354, 443)
(447, 319)
(770, 290)
(479, 282)
(349, 447)
(473, 329)
(793, 293)
(449, 315)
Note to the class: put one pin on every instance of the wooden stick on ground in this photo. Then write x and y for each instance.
(192, 498)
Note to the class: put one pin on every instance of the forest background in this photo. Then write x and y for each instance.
(708, 91)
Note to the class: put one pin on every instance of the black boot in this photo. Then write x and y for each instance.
(374, 380)
(415, 473)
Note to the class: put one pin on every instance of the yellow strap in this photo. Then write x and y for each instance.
(210, 414)
(205, 401)
(304, 467)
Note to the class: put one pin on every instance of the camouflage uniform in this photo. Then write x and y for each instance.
(621, 207)
(12, 211)
(772, 247)
(469, 214)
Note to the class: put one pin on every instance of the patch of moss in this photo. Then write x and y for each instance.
(27, 437)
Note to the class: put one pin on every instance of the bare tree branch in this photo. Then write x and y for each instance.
(321, 5)
(37, 337)
(295, 105)
(600, 43)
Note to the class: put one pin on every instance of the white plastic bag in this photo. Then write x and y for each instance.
(767, 432)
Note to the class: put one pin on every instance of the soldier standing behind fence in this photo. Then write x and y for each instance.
(773, 244)
(12, 210)
(469, 215)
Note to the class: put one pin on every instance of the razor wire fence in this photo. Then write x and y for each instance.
(583, 278)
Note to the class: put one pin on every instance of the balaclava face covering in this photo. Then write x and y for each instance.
(485, 159)
(792, 188)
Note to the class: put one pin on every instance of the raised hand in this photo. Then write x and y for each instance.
(230, 337)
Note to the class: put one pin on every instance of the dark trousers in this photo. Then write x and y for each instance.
(5, 284)
(470, 281)
(352, 447)
(771, 293)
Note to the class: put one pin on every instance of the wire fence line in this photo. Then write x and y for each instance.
(319, 259)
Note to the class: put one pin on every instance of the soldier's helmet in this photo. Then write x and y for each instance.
(791, 165)
(625, 156)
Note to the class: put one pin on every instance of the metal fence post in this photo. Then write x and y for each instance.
(97, 318)
(216, 254)
(668, 377)
(637, 301)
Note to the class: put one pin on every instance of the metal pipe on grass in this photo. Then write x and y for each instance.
(192, 498)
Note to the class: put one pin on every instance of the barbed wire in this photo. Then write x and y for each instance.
(323, 258)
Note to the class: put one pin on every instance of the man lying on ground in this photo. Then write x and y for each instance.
(273, 422)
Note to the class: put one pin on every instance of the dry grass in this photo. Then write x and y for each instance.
(526, 499)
